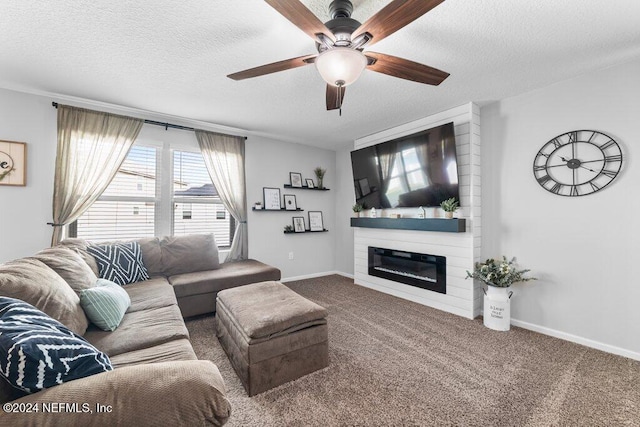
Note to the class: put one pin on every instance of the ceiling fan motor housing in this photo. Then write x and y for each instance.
(340, 9)
(341, 24)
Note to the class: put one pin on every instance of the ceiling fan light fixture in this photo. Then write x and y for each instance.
(341, 66)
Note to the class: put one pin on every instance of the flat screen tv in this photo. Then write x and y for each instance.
(415, 170)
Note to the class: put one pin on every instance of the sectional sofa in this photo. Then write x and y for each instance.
(157, 378)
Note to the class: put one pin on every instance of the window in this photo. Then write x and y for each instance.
(144, 201)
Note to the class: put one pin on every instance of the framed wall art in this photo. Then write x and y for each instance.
(290, 202)
(298, 224)
(271, 199)
(310, 183)
(315, 221)
(13, 163)
(296, 179)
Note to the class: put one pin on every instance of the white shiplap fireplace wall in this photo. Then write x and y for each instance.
(461, 249)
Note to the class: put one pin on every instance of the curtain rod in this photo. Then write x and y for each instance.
(154, 122)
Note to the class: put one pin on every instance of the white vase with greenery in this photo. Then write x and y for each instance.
(498, 275)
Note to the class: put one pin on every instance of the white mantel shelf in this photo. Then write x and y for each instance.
(455, 225)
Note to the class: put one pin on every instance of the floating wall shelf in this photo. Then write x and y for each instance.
(277, 210)
(304, 187)
(455, 225)
(306, 231)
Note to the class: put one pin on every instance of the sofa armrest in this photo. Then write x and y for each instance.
(166, 393)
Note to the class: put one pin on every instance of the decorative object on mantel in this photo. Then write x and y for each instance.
(357, 208)
(372, 213)
(498, 275)
(13, 163)
(449, 206)
(577, 163)
(320, 175)
(422, 213)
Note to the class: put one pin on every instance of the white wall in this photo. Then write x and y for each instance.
(345, 199)
(584, 250)
(268, 164)
(25, 211)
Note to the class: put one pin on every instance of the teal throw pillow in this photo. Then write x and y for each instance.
(105, 304)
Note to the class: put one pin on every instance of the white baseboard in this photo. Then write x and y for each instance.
(311, 276)
(576, 339)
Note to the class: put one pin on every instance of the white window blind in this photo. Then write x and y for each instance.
(197, 206)
(132, 204)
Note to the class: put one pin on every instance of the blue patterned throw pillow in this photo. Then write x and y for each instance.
(120, 262)
(38, 352)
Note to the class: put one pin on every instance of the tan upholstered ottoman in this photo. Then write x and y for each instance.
(271, 334)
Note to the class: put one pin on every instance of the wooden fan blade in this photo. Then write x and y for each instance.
(394, 16)
(302, 18)
(335, 97)
(287, 64)
(405, 69)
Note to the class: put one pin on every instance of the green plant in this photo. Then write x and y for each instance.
(319, 172)
(450, 205)
(499, 273)
(357, 207)
(288, 228)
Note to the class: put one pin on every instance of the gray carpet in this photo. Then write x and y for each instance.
(397, 363)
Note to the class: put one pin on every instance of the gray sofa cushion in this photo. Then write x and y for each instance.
(152, 293)
(229, 275)
(70, 266)
(140, 330)
(179, 349)
(185, 254)
(31, 281)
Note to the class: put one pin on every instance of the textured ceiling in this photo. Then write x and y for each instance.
(173, 57)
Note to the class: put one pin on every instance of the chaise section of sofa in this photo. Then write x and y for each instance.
(197, 291)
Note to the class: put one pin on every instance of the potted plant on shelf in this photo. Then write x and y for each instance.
(449, 206)
(257, 205)
(288, 229)
(320, 175)
(498, 275)
(357, 208)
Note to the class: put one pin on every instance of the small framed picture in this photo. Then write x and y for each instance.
(290, 202)
(315, 221)
(13, 163)
(296, 179)
(298, 224)
(271, 198)
(310, 183)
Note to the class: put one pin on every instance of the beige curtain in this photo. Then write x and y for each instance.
(91, 147)
(224, 157)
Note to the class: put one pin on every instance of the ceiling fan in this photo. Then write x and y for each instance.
(340, 43)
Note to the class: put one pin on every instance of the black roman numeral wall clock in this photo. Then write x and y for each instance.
(577, 163)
